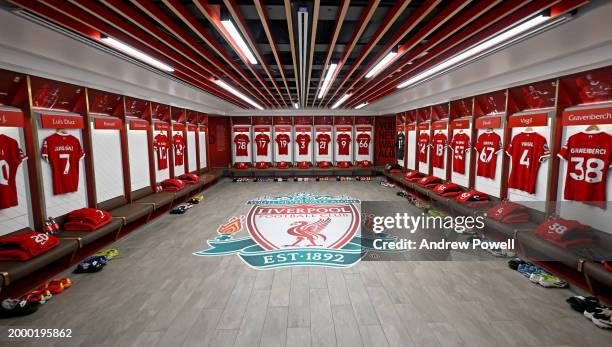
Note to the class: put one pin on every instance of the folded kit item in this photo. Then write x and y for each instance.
(472, 196)
(172, 184)
(565, 233)
(324, 164)
(87, 219)
(262, 165)
(303, 165)
(241, 166)
(450, 187)
(189, 178)
(344, 164)
(282, 165)
(364, 163)
(430, 180)
(26, 245)
(508, 212)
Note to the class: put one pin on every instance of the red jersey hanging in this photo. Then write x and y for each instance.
(63, 152)
(527, 151)
(261, 142)
(323, 141)
(588, 159)
(487, 146)
(439, 143)
(363, 143)
(242, 145)
(282, 141)
(179, 149)
(423, 143)
(161, 146)
(303, 141)
(344, 144)
(10, 159)
(459, 146)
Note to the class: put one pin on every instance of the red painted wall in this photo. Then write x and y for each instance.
(219, 141)
(384, 140)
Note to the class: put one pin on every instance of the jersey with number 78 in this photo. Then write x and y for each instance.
(63, 151)
(588, 160)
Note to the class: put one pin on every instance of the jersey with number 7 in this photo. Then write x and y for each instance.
(588, 160)
(63, 152)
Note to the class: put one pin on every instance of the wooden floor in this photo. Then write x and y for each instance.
(158, 294)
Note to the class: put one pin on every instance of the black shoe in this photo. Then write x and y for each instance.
(580, 303)
(17, 308)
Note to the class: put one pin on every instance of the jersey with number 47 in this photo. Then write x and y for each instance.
(588, 159)
(63, 152)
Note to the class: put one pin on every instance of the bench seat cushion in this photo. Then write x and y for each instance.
(14, 270)
(132, 212)
(86, 237)
(157, 199)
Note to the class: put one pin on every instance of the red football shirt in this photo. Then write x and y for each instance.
(459, 146)
(242, 142)
(439, 142)
(527, 151)
(487, 146)
(423, 146)
(344, 144)
(282, 141)
(63, 152)
(323, 140)
(10, 159)
(363, 144)
(179, 149)
(161, 145)
(588, 158)
(302, 140)
(262, 141)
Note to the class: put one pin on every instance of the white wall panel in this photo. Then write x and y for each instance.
(202, 140)
(191, 150)
(139, 159)
(108, 168)
(17, 217)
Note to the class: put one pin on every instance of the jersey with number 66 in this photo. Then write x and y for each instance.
(487, 146)
(588, 159)
(63, 151)
(527, 151)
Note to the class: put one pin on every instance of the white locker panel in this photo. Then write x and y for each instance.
(191, 150)
(108, 169)
(139, 159)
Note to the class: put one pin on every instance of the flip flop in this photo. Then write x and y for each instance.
(109, 253)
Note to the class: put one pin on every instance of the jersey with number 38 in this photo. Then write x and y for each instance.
(63, 152)
(588, 159)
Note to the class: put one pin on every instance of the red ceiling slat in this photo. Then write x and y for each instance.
(242, 25)
(155, 13)
(453, 27)
(92, 27)
(266, 25)
(364, 19)
(445, 14)
(507, 14)
(390, 18)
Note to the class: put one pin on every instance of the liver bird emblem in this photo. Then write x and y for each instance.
(308, 231)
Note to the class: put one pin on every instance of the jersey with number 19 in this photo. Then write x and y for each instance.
(588, 159)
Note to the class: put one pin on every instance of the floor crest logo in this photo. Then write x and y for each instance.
(297, 230)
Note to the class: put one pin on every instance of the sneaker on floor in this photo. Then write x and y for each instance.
(514, 263)
(603, 318)
(17, 308)
(91, 264)
(579, 303)
(591, 310)
(550, 281)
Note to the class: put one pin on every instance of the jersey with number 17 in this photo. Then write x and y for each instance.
(588, 159)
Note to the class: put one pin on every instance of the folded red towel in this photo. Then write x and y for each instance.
(26, 245)
(89, 215)
(189, 178)
(172, 184)
(83, 225)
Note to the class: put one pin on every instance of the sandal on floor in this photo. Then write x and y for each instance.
(109, 253)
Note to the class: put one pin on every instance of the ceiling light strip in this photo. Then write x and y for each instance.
(341, 101)
(242, 46)
(232, 90)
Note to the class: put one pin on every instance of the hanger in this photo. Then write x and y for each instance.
(489, 130)
(528, 129)
(61, 131)
(592, 128)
